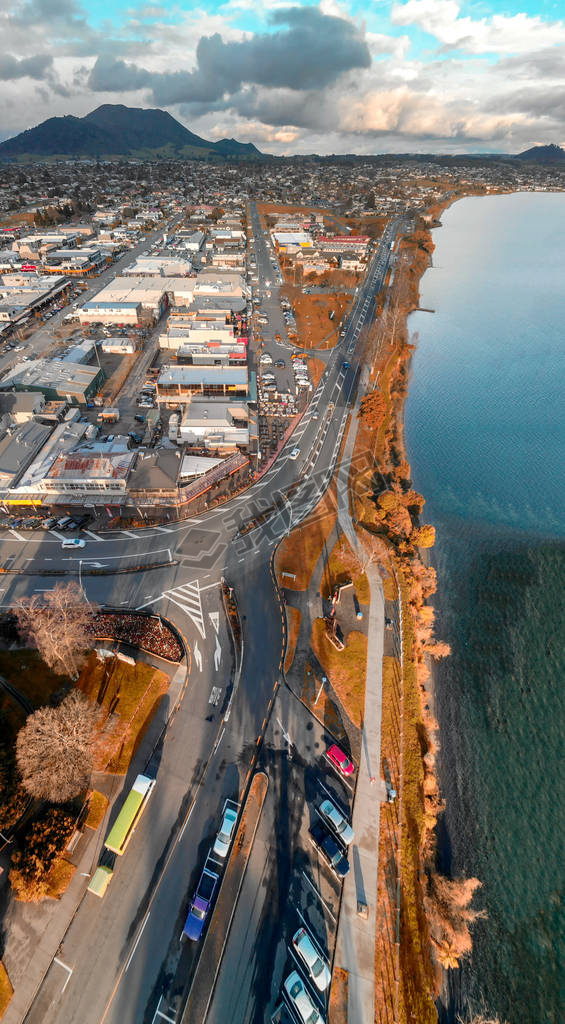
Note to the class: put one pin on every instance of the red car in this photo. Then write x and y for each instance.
(343, 763)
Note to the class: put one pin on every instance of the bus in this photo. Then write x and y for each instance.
(100, 880)
(124, 825)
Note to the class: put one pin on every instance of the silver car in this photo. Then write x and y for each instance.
(317, 967)
(337, 822)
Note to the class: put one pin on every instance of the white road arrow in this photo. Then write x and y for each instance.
(217, 655)
(215, 620)
(198, 656)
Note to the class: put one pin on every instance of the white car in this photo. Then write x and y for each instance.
(300, 1000)
(335, 819)
(225, 835)
(73, 542)
(294, 454)
(317, 967)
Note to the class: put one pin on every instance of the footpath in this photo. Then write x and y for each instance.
(356, 936)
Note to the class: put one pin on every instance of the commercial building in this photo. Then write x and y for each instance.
(55, 378)
(96, 468)
(159, 266)
(23, 294)
(177, 384)
(129, 297)
(18, 448)
(215, 425)
(196, 333)
(119, 346)
(21, 407)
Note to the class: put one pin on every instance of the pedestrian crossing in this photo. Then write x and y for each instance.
(189, 600)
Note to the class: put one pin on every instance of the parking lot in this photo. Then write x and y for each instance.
(288, 885)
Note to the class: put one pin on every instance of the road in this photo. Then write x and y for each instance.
(124, 953)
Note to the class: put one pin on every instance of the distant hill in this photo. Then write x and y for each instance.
(543, 155)
(114, 130)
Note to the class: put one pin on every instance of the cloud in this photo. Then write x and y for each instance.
(36, 67)
(307, 50)
(500, 33)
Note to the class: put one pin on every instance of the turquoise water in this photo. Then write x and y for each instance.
(485, 431)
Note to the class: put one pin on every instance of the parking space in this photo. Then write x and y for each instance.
(291, 895)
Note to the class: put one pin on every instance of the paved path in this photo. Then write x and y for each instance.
(355, 947)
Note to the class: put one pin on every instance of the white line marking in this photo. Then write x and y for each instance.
(186, 822)
(65, 968)
(319, 895)
(145, 920)
(93, 535)
(17, 535)
(59, 536)
(220, 739)
(162, 529)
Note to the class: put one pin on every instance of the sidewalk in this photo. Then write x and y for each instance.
(355, 945)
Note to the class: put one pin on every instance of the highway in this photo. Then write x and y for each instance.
(124, 953)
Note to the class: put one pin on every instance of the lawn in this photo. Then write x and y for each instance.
(293, 617)
(299, 553)
(132, 693)
(6, 990)
(345, 669)
(25, 670)
(344, 565)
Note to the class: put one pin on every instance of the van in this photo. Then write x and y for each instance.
(61, 523)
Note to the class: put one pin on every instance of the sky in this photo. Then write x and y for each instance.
(337, 76)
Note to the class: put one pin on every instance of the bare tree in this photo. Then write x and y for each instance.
(56, 747)
(58, 625)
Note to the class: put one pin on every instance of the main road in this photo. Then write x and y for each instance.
(124, 952)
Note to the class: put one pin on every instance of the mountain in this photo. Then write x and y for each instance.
(114, 130)
(543, 154)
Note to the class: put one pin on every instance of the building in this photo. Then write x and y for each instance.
(159, 266)
(55, 378)
(21, 407)
(96, 469)
(18, 448)
(127, 298)
(119, 346)
(177, 384)
(196, 333)
(65, 437)
(215, 425)
(23, 294)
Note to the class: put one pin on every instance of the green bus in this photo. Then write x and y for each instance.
(124, 825)
(100, 880)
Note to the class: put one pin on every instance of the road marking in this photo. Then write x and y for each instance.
(161, 529)
(159, 1013)
(94, 536)
(218, 741)
(198, 656)
(320, 897)
(128, 533)
(145, 920)
(55, 533)
(17, 535)
(186, 822)
(65, 968)
(215, 620)
(217, 654)
(188, 598)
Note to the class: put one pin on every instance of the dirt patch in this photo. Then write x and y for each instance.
(131, 693)
(345, 669)
(299, 553)
(316, 368)
(293, 619)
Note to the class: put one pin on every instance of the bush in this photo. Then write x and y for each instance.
(41, 846)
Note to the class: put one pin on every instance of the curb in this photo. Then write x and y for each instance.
(86, 572)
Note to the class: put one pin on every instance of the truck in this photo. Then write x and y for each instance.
(108, 415)
(201, 903)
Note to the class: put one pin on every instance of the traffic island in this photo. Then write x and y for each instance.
(209, 964)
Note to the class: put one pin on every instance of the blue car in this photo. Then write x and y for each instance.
(200, 906)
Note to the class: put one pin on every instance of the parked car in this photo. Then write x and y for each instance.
(337, 822)
(329, 849)
(341, 761)
(300, 1000)
(225, 835)
(316, 966)
(200, 906)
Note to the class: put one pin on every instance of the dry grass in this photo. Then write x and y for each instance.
(299, 553)
(346, 670)
(97, 806)
(316, 368)
(390, 589)
(315, 697)
(6, 990)
(59, 879)
(337, 1013)
(293, 618)
(313, 324)
(130, 692)
(343, 565)
(31, 676)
